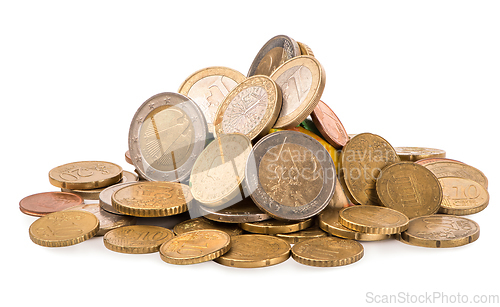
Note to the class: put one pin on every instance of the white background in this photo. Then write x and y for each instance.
(418, 73)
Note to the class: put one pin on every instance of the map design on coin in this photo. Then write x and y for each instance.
(246, 110)
(295, 84)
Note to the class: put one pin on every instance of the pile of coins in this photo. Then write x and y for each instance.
(257, 175)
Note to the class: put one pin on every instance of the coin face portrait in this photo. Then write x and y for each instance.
(295, 84)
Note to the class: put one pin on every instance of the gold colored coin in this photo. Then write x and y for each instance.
(373, 219)
(419, 153)
(64, 228)
(462, 196)
(327, 252)
(440, 230)
(302, 81)
(304, 49)
(201, 223)
(195, 247)
(409, 188)
(85, 175)
(275, 52)
(276, 226)
(137, 239)
(302, 235)
(446, 168)
(255, 251)
(152, 199)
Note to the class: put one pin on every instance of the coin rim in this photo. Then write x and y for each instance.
(324, 132)
(369, 228)
(268, 46)
(135, 249)
(303, 259)
(294, 226)
(86, 185)
(466, 211)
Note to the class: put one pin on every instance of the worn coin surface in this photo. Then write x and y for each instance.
(362, 159)
(419, 153)
(152, 199)
(272, 226)
(242, 212)
(302, 235)
(137, 239)
(85, 175)
(305, 49)
(208, 87)
(373, 219)
(41, 204)
(440, 230)
(302, 81)
(410, 189)
(447, 168)
(201, 223)
(290, 175)
(462, 196)
(327, 252)
(329, 125)
(251, 108)
(166, 135)
(255, 251)
(195, 247)
(64, 228)
(275, 52)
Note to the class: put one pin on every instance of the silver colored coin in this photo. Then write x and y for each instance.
(243, 212)
(275, 52)
(106, 194)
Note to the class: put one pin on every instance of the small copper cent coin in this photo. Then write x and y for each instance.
(462, 196)
(327, 252)
(275, 52)
(329, 125)
(41, 204)
(85, 175)
(137, 239)
(373, 219)
(201, 223)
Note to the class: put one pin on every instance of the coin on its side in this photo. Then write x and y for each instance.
(462, 196)
(128, 158)
(255, 251)
(440, 230)
(305, 49)
(275, 52)
(275, 226)
(137, 239)
(302, 235)
(64, 228)
(447, 168)
(302, 81)
(85, 175)
(251, 108)
(201, 223)
(329, 125)
(419, 153)
(106, 194)
(41, 204)
(327, 252)
(208, 87)
(410, 189)
(241, 212)
(373, 219)
(432, 160)
(195, 247)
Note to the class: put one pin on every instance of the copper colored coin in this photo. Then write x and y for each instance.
(329, 125)
(44, 203)
(128, 158)
(432, 160)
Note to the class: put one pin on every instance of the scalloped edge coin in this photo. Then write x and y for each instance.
(327, 252)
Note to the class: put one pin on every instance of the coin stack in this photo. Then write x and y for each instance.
(261, 164)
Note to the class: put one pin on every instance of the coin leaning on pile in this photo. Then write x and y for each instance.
(261, 181)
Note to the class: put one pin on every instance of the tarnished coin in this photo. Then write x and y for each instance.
(302, 81)
(241, 212)
(195, 247)
(327, 252)
(255, 251)
(302, 235)
(419, 153)
(462, 196)
(219, 171)
(251, 108)
(329, 125)
(275, 52)
(201, 223)
(304, 49)
(137, 239)
(166, 135)
(373, 219)
(440, 230)
(272, 227)
(290, 175)
(106, 194)
(208, 87)
(41, 204)
(107, 221)
(85, 175)
(410, 189)
(362, 159)
(152, 199)
(64, 228)
(447, 168)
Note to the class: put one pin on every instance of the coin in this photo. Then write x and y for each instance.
(128, 158)
(218, 172)
(41, 204)
(241, 212)
(106, 194)
(195, 247)
(432, 160)
(290, 175)
(251, 108)
(302, 235)
(302, 81)
(410, 189)
(362, 159)
(373, 219)
(152, 199)
(327, 252)
(85, 175)
(304, 49)
(329, 125)
(419, 153)
(275, 52)
(166, 135)
(444, 169)
(208, 87)
(462, 196)
(440, 230)
(107, 221)
(201, 223)
(64, 228)
(272, 226)
(255, 251)
(137, 239)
